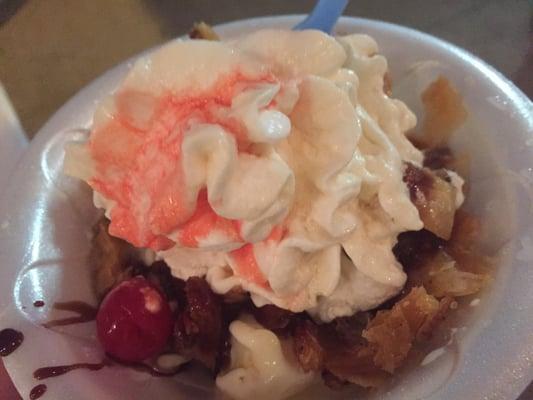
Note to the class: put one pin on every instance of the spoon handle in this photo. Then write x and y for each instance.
(324, 15)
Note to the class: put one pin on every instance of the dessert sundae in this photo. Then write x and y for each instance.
(266, 215)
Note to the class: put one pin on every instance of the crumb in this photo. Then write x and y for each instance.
(475, 302)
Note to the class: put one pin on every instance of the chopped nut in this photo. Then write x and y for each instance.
(198, 332)
(110, 257)
(272, 317)
(332, 381)
(201, 30)
(392, 333)
(445, 112)
(438, 157)
(442, 277)
(355, 364)
(434, 197)
(307, 347)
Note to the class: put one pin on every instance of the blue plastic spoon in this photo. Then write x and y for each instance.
(324, 16)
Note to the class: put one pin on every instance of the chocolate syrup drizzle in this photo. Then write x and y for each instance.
(58, 370)
(10, 340)
(86, 313)
(37, 391)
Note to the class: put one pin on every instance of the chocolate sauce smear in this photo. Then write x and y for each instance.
(38, 303)
(10, 340)
(37, 392)
(58, 370)
(142, 367)
(86, 313)
(50, 372)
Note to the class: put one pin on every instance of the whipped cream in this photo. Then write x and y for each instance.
(272, 162)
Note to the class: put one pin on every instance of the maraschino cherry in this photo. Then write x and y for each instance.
(134, 321)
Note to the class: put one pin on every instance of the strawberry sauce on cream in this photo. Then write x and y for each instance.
(271, 163)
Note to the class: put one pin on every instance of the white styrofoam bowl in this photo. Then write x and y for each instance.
(45, 219)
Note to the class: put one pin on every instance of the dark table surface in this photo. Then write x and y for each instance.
(49, 49)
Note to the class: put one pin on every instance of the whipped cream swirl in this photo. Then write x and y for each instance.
(271, 163)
